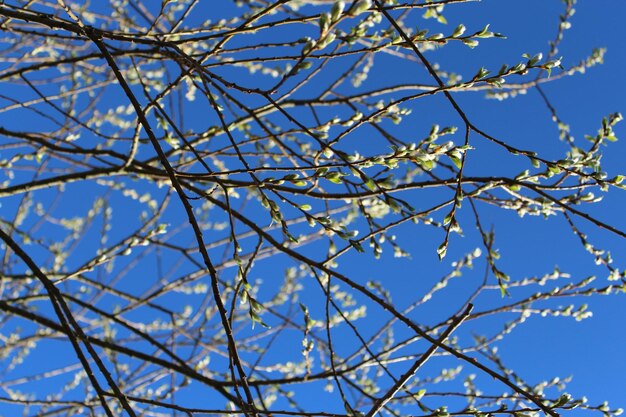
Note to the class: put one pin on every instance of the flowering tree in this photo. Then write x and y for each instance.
(160, 158)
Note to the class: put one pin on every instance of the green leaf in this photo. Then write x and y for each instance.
(420, 394)
(532, 61)
(255, 305)
(335, 177)
(428, 165)
(484, 33)
(460, 30)
(442, 249)
(456, 161)
(360, 7)
(320, 172)
(370, 184)
(482, 72)
(554, 169)
(257, 319)
(357, 245)
(503, 290)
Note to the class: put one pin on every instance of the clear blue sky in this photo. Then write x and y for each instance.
(591, 351)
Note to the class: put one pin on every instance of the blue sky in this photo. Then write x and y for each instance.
(592, 350)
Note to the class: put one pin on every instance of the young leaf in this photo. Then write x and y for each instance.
(442, 249)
